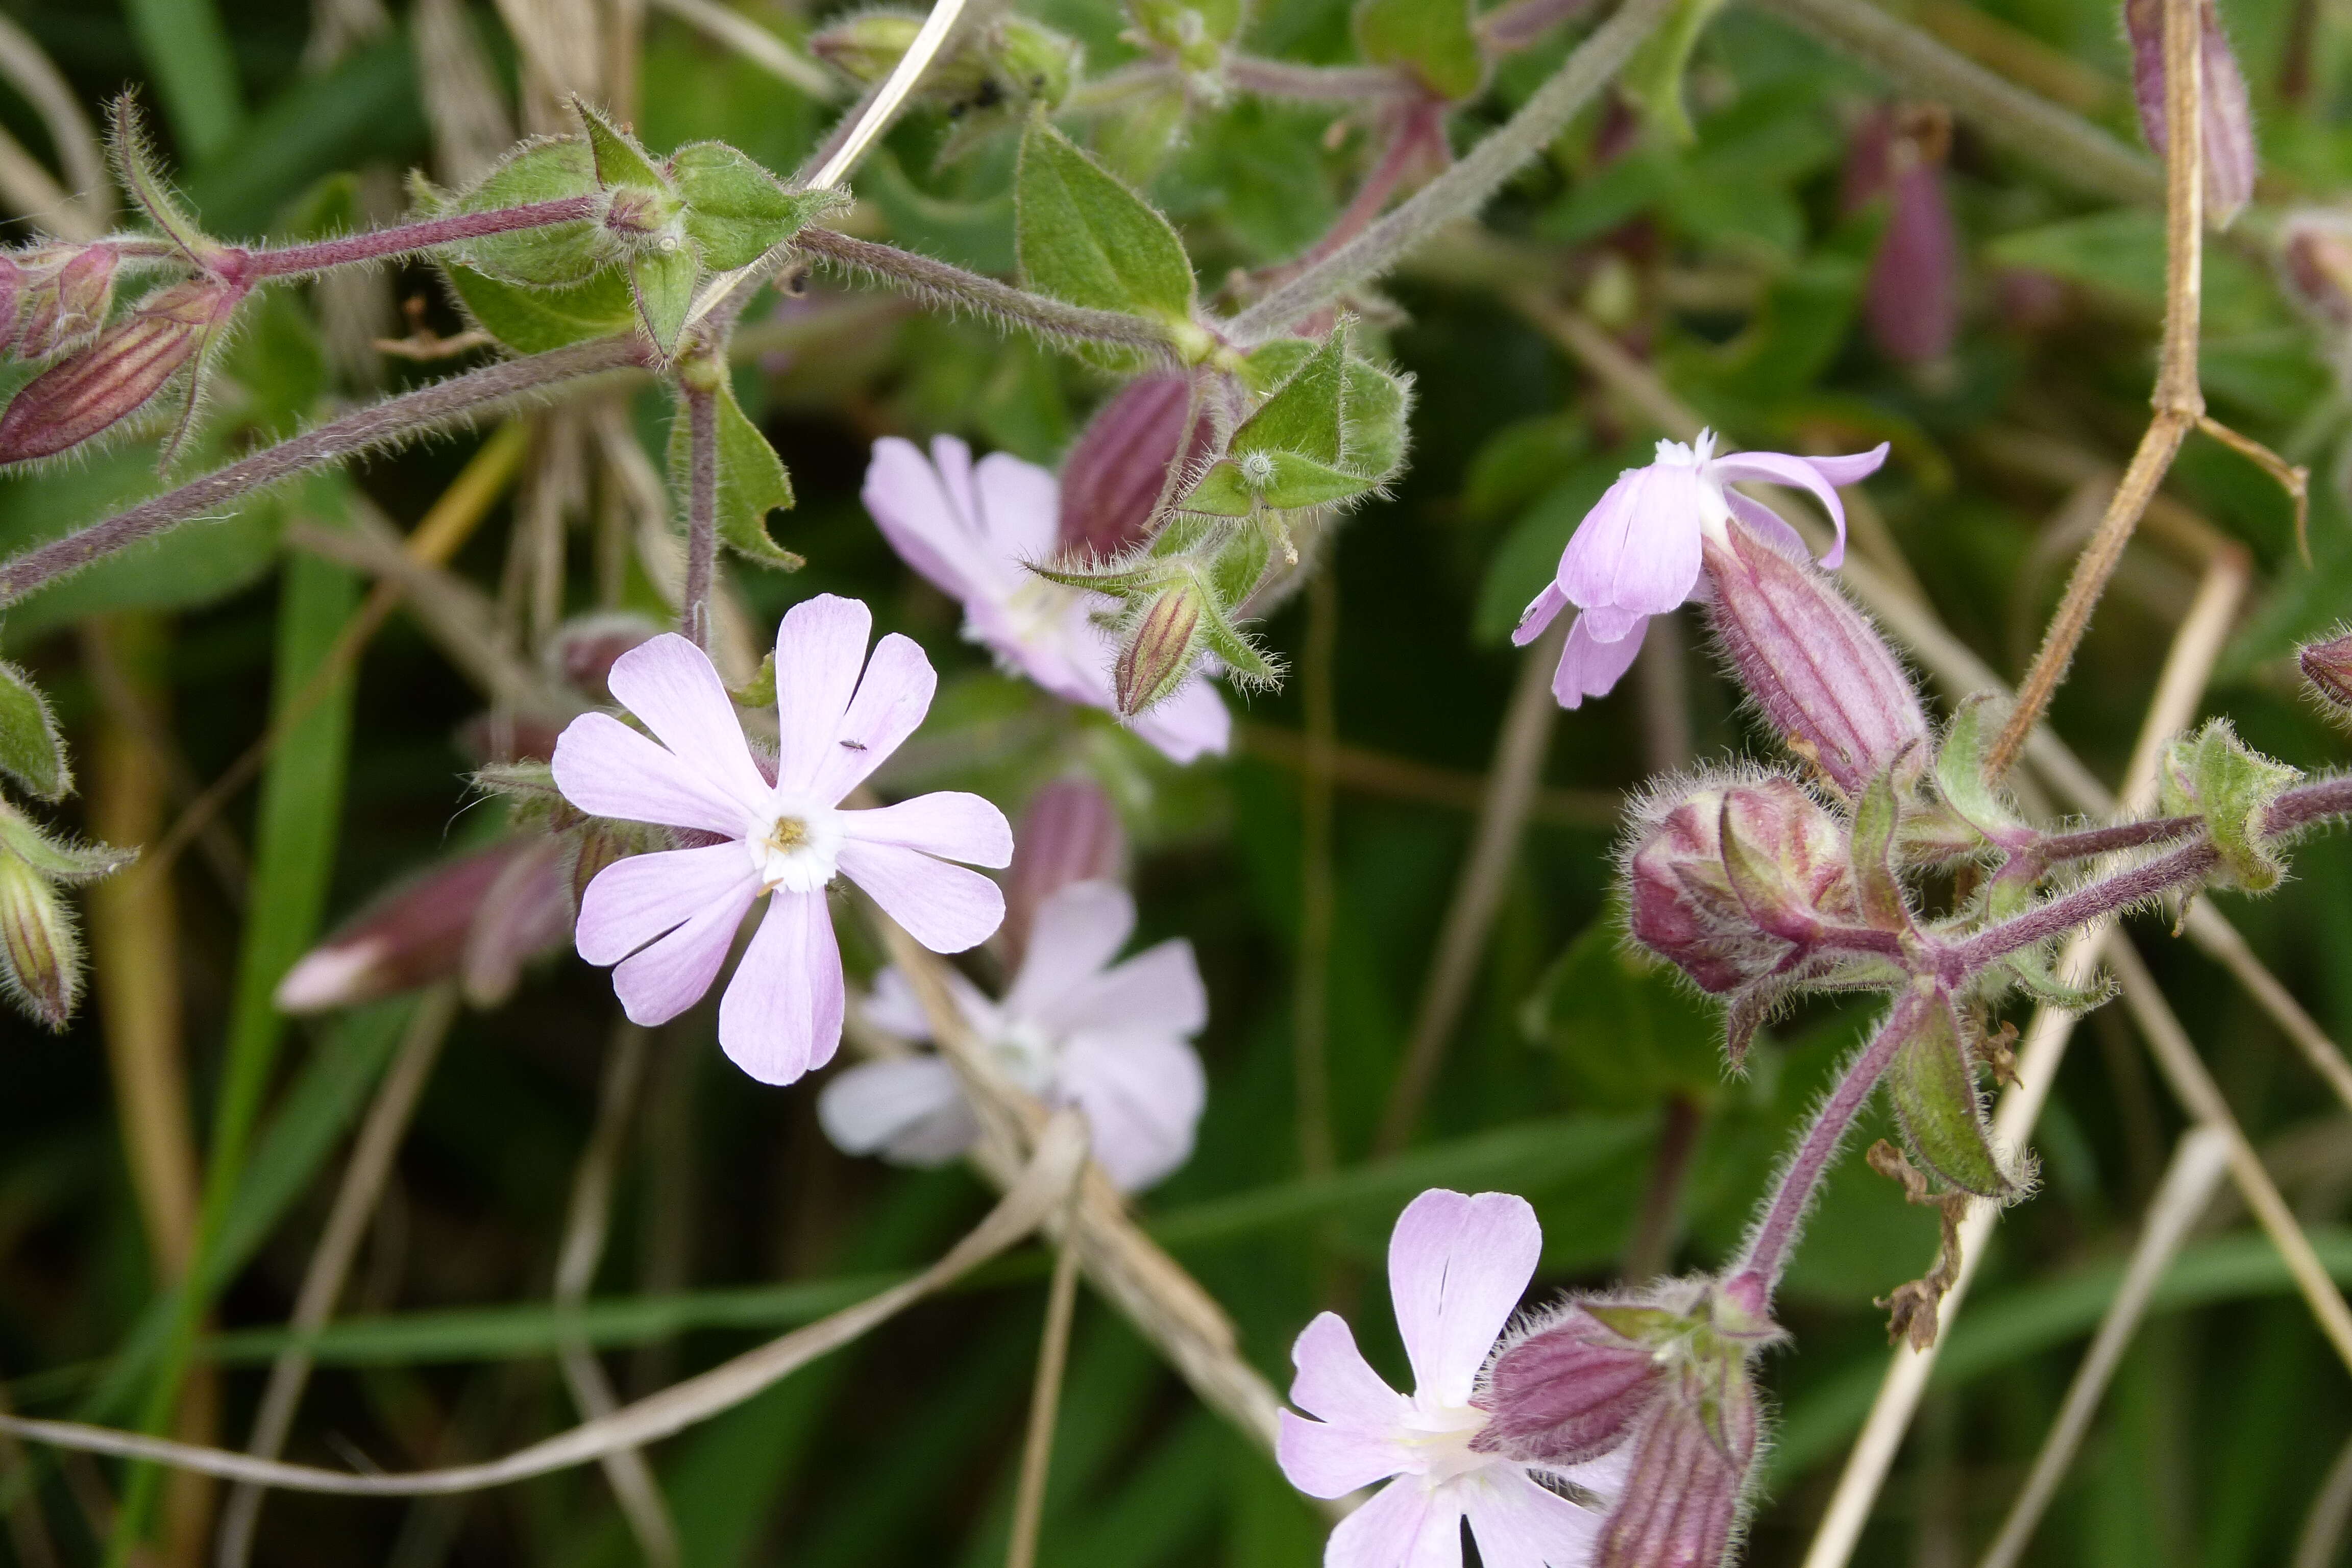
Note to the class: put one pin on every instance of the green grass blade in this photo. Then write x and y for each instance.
(186, 48)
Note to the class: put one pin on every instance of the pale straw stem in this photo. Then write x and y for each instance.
(2323, 1527)
(2198, 1163)
(1044, 1401)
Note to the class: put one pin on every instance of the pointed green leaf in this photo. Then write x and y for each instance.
(1430, 38)
(1221, 492)
(134, 160)
(1304, 415)
(1245, 663)
(752, 482)
(31, 751)
(1298, 482)
(58, 859)
(1652, 78)
(1876, 818)
(1932, 1086)
(2042, 983)
(1960, 774)
(1374, 434)
(551, 257)
(619, 162)
(1271, 364)
(759, 692)
(2215, 775)
(1241, 565)
(532, 321)
(735, 209)
(663, 282)
(1086, 238)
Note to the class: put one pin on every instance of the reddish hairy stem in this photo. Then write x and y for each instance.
(377, 243)
(2079, 908)
(2305, 803)
(382, 423)
(701, 514)
(1767, 1249)
(2090, 841)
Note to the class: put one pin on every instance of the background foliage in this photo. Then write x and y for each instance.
(1731, 263)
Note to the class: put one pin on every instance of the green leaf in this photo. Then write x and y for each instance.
(1961, 775)
(31, 751)
(619, 162)
(736, 210)
(1277, 480)
(1430, 38)
(1374, 434)
(1304, 415)
(2215, 775)
(1237, 569)
(186, 49)
(751, 480)
(532, 321)
(1086, 238)
(663, 284)
(134, 160)
(1627, 1036)
(1652, 78)
(547, 257)
(1932, 1086)
(1877, 816)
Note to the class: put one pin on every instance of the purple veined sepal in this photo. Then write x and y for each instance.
(1117, 469)
(2231, 157)
(2327, 668)
(62, 295)
(40, 949)
(97, 387)
(1817, 669)
(1911, 300)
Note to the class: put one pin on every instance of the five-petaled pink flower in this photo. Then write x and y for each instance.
(1636, 554)
(973, 529)
(668, 919)
(1114, 1041)
(1458, 1267)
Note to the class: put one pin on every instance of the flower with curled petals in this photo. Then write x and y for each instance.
(1637, 553)
(972, 529)
(664, 921)
(1458, 1267)
(1115, 1040)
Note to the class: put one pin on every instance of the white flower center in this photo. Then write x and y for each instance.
(1039, 610)
(1027, 1055)
(796, 847)
(1440, 1436)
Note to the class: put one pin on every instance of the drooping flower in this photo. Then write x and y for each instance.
(1458, 1267)
(1637, 553)
(972, 529)
(1113, 1040)
(665, 919)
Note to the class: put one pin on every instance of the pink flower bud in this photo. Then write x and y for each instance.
(12, 298)
(424, 929)
(113, 378)
(1115, 474)
(2326, 665)
(1158, 654)
(1912, 301)
(1686, 903)
(40, 956)
(1567, 1392)
(1682, 1496)
(526, 910)
(68, 302)
(2229, 129)
(582, 650)
(1070, 833)
(1814, 664)
(2315, 252)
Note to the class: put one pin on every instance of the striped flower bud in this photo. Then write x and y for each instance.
(2328, 666)
(1158, 652)
(1686, 1484)
(1071, 833)
(1814, 664)
(1911, 301)
(1116, 473)
(40, 955)
(1566, 1391)
(90, 391)
(66, 296)
(2229, 121)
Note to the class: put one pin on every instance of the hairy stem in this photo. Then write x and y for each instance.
(1513, 27)
(1314, 84)
(376, 244)
(2058, 847)
(393, 420)
(2108, 896)
(925, 278)
(701, 514)
(1463, 189)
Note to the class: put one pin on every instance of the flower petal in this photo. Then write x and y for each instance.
(781, 1012)
(820, 649)
(1541, 611)
(1407, 1525)
(891, 1007)
(1157, 990)
(1821, 476)
(1327, 1461)
(1638, 548)
(1519, 1524)
(911, 1109)
(607, 768)
(944, 907)
(924, 520)
(671, 685)
(1457, 1267)
(1020, 506)
(1589, 668)
(1770, 526)
(1078, 931)
(636, 899)
(948, 823)
(1192, 721)
(667, 978)
(892, 697)
(1337, 1384)
(1142, 1095)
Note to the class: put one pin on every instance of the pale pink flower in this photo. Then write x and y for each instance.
(1458, 1267)
(972, 529)
(1074, 1029)
(666, 919)
(1636, 554)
